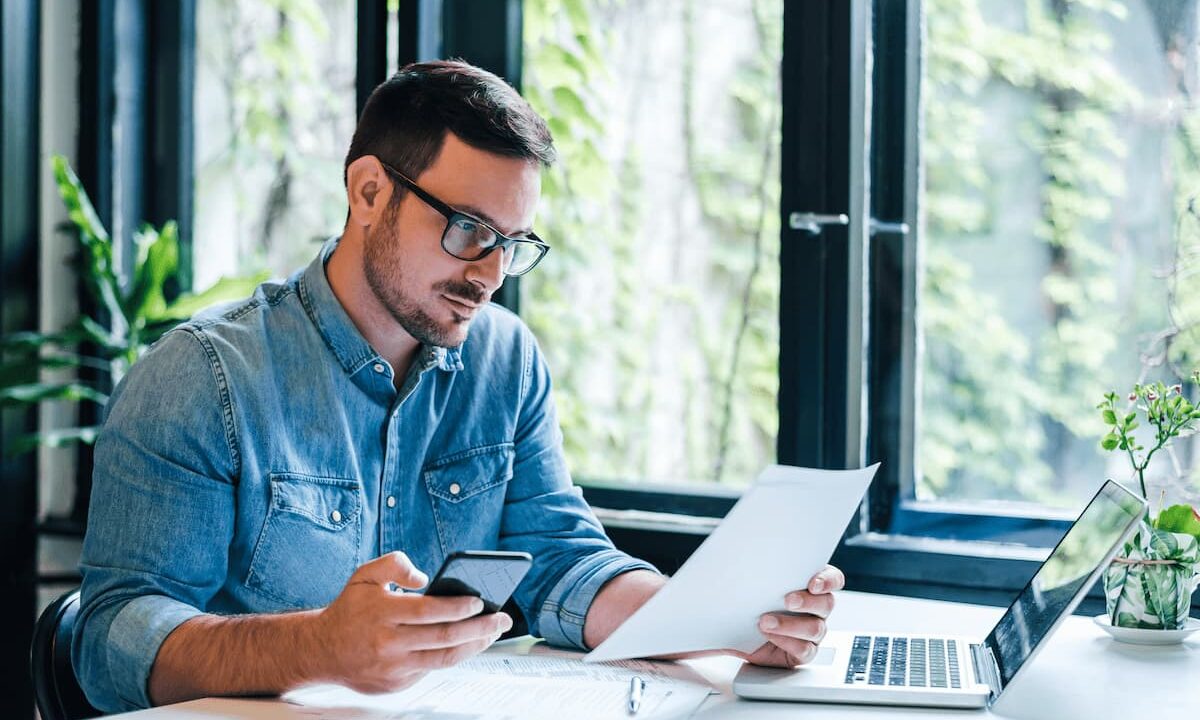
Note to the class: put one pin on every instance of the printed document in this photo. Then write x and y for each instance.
(519, 680)
(782, 531)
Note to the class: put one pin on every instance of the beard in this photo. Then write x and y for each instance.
(383, 266)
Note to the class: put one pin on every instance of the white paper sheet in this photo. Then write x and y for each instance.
(527, 682)
(782, 531)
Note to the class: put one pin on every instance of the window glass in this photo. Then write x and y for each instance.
(657, 306)
(275, 109)
(1060, 144)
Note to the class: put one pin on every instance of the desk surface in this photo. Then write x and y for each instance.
(1081, 673)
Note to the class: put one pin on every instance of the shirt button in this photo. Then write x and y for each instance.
(455, 488)
(391, 501)
(335, 516)
(379, 367)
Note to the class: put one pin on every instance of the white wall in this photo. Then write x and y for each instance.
(58, 303)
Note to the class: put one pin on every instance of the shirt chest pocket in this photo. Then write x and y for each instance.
(309, 544)
(466, 491)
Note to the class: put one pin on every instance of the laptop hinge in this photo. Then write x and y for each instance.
(986, 670)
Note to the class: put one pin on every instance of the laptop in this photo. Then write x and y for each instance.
(938, 671)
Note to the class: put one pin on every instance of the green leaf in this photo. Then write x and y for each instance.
(79, 206)
(1110, 417)
(98, 272)
(158, 261)
(55, 438)
(22, 371)
(1110, 441)
(223, 290)
(1180, 519)
(38, 392)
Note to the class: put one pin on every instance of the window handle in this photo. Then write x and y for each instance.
(814, 222)
(879, 227)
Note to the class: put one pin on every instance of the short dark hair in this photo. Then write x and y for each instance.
(406, 118)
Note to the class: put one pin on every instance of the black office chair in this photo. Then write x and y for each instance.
(55, 688)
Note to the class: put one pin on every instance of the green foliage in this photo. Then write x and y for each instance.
(129, 315)
(608, 293)
(279, 86)
(1179, 519)
(1166, 409)
(1005, 407)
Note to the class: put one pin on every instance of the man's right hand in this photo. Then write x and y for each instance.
(379, 639)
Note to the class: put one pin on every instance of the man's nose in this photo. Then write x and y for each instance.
(488, 273)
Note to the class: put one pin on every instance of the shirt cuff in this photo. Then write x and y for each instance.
(134, 638)
(561, 618)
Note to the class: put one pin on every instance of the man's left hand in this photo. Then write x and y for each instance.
(793, 635)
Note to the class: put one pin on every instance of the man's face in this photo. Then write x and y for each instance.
(431, 294)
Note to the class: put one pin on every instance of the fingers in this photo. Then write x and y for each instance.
(394, 567)
(413, 609)
(827, 580)
(437, 659)
(802, 601)
(773, 655)
(801, 627)
(793, 639)
(448, 635)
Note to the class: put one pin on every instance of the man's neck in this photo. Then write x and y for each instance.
(349, 284)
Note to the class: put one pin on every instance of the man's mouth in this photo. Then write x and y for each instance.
(464, 306)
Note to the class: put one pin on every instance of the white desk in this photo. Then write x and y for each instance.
(1081, 673)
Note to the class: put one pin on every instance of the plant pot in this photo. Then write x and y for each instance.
(1149, 584)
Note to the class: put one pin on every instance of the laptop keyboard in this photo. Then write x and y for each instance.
(906, 662)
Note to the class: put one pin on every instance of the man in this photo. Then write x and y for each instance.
(273, 479)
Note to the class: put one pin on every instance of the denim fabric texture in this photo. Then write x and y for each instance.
(260, 453)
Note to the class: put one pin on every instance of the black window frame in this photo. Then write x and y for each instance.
(20, 153)
(895, 544)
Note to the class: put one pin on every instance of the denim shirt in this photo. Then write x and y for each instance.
(256, 456)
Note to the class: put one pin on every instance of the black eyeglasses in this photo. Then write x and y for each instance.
(466, 237)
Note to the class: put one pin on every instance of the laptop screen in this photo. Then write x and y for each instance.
(1063, 579)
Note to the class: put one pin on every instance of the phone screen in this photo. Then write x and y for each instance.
(491, 576)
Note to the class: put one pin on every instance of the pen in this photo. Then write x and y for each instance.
(636, 686)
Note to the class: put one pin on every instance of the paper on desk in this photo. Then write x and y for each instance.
(782, 531)
(499, 685)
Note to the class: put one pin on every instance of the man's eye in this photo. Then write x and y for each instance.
(466, 226)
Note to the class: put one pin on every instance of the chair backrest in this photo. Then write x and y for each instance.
(55, 688)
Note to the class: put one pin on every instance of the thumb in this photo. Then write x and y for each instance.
(394, 567)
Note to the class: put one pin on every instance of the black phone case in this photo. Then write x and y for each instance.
(489, 576)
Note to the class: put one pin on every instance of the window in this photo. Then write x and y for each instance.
(658, 306)
(274, 112)
(1051, 248)
(998, 226)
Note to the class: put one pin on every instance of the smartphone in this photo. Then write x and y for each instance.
(490, 575)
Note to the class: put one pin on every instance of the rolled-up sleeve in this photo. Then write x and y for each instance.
(546, 516)
(160, 519)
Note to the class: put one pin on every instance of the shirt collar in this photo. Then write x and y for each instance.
(343, 338)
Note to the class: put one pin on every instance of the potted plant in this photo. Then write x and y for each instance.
(1150, 583)
(128, 315)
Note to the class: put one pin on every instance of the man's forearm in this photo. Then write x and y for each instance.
(616, 601)
(240, 655)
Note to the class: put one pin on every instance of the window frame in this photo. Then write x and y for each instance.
(20, 185)
(895, 544)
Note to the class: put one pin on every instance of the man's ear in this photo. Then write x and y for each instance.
(368, 189)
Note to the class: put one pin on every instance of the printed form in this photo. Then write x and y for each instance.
(532, 682)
